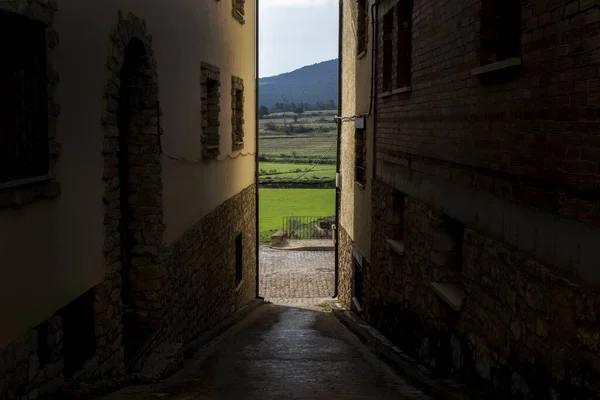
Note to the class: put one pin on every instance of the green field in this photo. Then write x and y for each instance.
(275, 204)
(314, 143)
(269, 170)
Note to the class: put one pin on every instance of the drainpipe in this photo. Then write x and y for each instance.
(256, 105)
(339, 143)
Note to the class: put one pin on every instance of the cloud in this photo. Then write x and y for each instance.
(297, 3)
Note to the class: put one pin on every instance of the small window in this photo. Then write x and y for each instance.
(44, 347)
(398, 208)
(360, 156)
(359, 264)
(500, 30)
(456, 230)
(403, 43)
(237, 118)
(363, 29)
(239, 259)
(238, 10)
(79, 338)
(388, 40)
(210, 81)
(24, 142)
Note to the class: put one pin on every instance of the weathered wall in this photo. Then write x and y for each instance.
(345, 268)
(65, 262)
(201, 287)
(523, 328)
(49, 262)
(355, 203)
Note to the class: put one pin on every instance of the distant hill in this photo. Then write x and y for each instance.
(310, 84)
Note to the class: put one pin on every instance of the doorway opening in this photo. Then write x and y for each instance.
(298, 151)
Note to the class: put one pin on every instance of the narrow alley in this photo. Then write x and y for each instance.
(280, 352)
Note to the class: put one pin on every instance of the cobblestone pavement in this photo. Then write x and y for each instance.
(301, 278)
(281, 353)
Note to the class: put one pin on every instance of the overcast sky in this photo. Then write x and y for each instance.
(295, 33)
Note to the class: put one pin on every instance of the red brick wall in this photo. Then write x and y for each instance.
(531, 135)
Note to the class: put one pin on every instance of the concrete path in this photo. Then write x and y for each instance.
(281, 352)
(296, 277)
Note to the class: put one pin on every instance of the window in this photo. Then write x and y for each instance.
(500, 30)
(360, 155)
(238, 10)
(359, 269)
(388, 40)
(403, 43)
(24, 141)
(210, 81)
(363, 29)
(239, 259)
(79, 337)
(237, 118)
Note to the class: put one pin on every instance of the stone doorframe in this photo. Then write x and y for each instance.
(146, 199)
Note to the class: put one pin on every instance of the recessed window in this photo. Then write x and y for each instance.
(500, 30)
(237, 118)
(388, 46)
(24, 142)
(211, 107)
(239, 259)
(360, 154)
(362, 23)
(403, 43)
(79, 339)
(238, 10)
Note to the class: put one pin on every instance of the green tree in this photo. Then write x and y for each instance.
(263, 111)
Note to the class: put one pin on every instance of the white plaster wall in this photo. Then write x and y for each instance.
(51, 251)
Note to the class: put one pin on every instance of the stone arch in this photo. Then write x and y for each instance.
(133, 210)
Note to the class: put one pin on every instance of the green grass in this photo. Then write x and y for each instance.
(274, 204)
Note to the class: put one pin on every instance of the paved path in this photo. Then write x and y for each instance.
(281, 353)
(292, 277)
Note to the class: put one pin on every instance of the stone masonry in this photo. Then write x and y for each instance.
(201, 287)
(345, 268)
(522, 329)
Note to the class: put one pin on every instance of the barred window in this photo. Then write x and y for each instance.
(24, 143)
(210, 81)
(237, 118)
(360, 153)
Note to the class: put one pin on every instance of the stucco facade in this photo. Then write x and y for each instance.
(355, 203)
(58, 236)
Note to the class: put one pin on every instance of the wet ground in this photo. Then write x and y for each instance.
(280, 352)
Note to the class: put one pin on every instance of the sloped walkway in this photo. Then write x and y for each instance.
(296, 277)
(281, 353)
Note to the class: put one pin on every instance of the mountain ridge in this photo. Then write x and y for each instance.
(308, 84)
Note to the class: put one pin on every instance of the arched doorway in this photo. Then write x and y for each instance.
(133, 216)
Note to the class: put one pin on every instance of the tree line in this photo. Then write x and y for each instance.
(297, 108)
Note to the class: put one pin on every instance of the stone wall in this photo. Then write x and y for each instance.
(32, 365)
(522, 330)
(345, 268)
(201, 285)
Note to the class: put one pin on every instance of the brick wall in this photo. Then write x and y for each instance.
(528, 135)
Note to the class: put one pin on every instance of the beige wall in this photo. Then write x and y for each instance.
(51, 251)
(355, 215)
